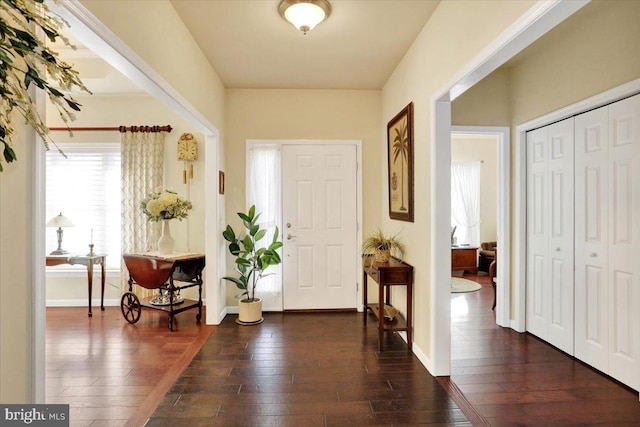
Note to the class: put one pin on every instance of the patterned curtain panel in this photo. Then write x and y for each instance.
(142, 173)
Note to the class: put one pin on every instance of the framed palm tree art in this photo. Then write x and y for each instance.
(400, 154)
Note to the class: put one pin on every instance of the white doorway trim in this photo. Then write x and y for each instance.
(520, 185)
(503, 213)
(102, 41)
(358, 144)
(538, 20)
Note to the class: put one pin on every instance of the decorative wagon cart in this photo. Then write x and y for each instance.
(162, 273)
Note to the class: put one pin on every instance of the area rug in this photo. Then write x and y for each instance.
(459, 285)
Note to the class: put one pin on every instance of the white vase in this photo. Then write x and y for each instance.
(166, 242)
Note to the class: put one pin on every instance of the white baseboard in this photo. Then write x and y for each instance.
(422, 357)
(83, 303)
(516, 326)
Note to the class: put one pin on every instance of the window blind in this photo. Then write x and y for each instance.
(85, 187)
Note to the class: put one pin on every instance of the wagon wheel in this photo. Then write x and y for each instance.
(130, 306)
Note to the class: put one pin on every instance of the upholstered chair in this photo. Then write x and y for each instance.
(487, 255)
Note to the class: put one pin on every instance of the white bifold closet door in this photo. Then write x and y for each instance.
(607, 239)
(550, 218)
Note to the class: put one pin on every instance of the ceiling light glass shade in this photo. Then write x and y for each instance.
(60, 221)
(304, 14)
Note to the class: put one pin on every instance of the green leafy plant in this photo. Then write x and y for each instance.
(252, 258)
(383, 246)
(25, 60)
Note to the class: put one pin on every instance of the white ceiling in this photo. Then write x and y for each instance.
(250, 46)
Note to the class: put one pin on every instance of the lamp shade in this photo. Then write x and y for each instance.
(304, 14)
(60, 221)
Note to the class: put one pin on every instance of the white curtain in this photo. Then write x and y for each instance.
(142, 173)
(265, 192)
(465, 202)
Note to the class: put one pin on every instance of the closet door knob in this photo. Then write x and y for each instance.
(593, 255)
(557, 249)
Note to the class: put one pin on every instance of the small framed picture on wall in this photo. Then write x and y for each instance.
(220, 182)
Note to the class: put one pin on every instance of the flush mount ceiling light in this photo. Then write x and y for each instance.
(304, 14)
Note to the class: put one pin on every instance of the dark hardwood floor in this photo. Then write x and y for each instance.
(305, 369)
(317, 369)
(515, 379)
(112, 373)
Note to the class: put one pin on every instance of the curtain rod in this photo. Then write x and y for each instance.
(121, 129)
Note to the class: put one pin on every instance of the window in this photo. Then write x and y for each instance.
(85, 187)
(465, 201)
(264, 191)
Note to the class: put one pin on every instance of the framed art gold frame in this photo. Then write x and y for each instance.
(400, 154)
(220, 182)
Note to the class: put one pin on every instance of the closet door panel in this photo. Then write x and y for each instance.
(538, 231)
(624, 241)
(591, 238)
(550, 234)
(560, 250)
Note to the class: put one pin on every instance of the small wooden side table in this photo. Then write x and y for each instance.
(388, 274)
(89, 261)
(464, 258)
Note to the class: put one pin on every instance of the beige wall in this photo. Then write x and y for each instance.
(155, 32)
(100, 111)
(16, 269)
(466, 148)
(456, 33)
(302, 114)
(486, 103)
(594, 50)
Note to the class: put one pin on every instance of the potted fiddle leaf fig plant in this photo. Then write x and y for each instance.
(253, 258)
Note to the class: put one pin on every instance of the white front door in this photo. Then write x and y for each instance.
(319, 216)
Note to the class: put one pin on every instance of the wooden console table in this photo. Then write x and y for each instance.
(464, 258)
(89, 261)
(388, 274)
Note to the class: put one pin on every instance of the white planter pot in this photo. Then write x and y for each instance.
(249, 313)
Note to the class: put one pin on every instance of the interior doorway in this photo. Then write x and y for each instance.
(501, 136)
(94, 35)
(533, 25)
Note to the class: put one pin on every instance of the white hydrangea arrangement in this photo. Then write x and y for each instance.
(165, 204)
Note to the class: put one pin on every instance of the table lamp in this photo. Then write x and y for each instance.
(59, 221)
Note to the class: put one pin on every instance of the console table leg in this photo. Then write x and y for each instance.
(380, 316)
(102, 268)
(90, 283)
